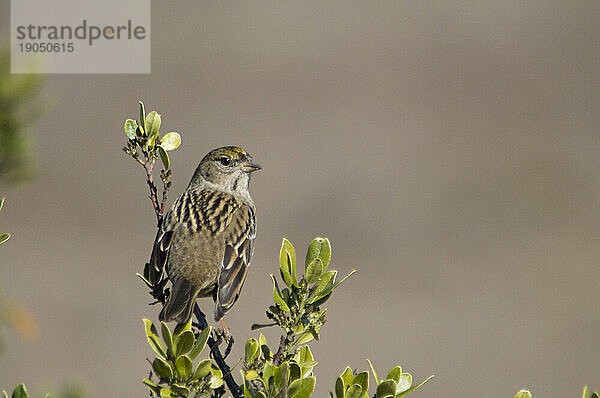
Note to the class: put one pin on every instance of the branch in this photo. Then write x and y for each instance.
(165, 176)
(148, 164)
(158, 208)
(284, 342)
(217, 356)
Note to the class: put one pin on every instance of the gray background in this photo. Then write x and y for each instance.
(449, 150)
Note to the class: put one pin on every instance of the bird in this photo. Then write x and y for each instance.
(205, 242)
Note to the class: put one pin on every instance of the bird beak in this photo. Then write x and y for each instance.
(250, 166)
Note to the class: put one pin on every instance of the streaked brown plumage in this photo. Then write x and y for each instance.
(205, 242)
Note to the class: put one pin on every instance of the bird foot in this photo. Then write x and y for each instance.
(223, 334)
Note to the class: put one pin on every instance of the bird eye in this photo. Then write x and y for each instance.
(225, 161)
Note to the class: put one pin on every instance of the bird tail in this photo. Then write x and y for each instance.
(181, 302)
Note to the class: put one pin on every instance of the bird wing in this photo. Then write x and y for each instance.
(194, 211)
(162, 242)
(239, 246)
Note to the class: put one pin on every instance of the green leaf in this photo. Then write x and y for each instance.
(168, 339)
(523, 394)
(277, 377)
(354, 391)
(180, 390)
(152, 386)
(200, 343)
(170, 141)
(585, 388)
(277, 296)
(395, 374)
(142, 118)
(362, 379)
(153, 339)
(304, 338)
(2, 203)
(247, 388)
(348, 377)
(304, 358)
(314, 270)
(4, 237)
(162, 368)
(414, 388)
(340, 388)
(216, 380)
(287, 263)
(183, 367)
(325, 280)
(20, 392)
(302, 388)
(152, 125)
(404, 383)
(295, 372)
(373, 371)
(249, 391)
(130, 128)
(184, 342)
(256, 326)
(264, 347)
(181, 327)
(202, 369)
(252, 350)
(304, 355)
(329, 289)
(167, 393)
(286, 295)
(321, 249)
(386, 388)
(285, 374)
(164, 157)
(251, 375)
(269, 374)
(322, 300)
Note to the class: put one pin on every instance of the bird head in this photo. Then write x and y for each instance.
(228, 167)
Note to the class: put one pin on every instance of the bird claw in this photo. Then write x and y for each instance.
(224, 335)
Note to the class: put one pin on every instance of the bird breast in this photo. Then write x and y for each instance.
(195, 256)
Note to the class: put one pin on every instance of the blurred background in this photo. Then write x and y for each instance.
(449, 150)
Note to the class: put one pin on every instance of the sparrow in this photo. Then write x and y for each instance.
(205, 242)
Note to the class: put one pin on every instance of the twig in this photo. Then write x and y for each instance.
(148, 166)
(217, 356)
(280, 350)
(284, 342)
(165, 176)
